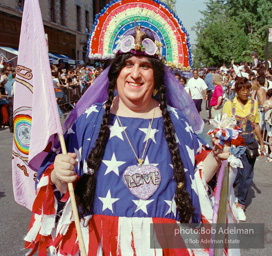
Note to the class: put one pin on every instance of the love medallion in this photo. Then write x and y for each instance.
(142, 180)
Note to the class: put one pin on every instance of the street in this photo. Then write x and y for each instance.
(15, 218)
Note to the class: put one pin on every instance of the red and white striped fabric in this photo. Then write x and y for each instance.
(103, 235)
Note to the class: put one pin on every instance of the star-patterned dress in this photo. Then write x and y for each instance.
(120, 222)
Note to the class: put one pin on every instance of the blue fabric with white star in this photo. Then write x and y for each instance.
(112, 196)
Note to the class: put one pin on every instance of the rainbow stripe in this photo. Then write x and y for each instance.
(22, 129)
(117, 19)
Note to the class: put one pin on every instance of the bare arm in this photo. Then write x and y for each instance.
(218, 102)
(260, 139)
(255, 63)
(213, 161)
(3, 96)
(205, 95)
(253, 94)
(261, 95)
(58, 84)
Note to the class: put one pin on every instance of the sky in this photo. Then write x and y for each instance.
(188, 13)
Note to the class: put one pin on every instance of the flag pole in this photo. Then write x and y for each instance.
(223, 207)
(71, 192)
(220, 206)
(73, 202)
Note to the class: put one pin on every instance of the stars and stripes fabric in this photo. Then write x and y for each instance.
(113, 197)
(120, 222)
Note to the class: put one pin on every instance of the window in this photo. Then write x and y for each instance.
(74, 54)
(78, 13)
(87, 21)
(62, 12)
(52, 11)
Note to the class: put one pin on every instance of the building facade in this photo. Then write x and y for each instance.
(67, 24)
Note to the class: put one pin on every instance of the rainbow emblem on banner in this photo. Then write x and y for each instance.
(117, 19)
(22, 132)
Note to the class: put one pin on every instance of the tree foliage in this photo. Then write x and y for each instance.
(232, 29)
(170, 3)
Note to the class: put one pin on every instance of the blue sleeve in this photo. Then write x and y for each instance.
(78, 139)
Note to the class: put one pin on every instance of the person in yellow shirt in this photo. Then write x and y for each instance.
(245, 111)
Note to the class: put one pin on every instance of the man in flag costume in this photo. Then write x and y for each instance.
(135, 159)
(133, 162)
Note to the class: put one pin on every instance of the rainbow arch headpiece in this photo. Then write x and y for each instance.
(116, 22)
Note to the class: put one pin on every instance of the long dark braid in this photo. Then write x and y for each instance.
(182, 198)
(85, 187)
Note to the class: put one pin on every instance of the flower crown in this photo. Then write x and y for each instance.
(137, 45)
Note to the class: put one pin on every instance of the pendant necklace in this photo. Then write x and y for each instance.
(142, 180)
(141, 160)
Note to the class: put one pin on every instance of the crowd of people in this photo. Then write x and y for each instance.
(7, 78)
(243, 92)
(69, 84)
(216, 85)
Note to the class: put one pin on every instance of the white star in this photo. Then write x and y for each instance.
(172, 206)
(113, 165)
(147, 161)
(152, 133)
(177, 139)
(200, 147)
(171, 165)
(78, 156)
(108, 201)
(85, 167)
(117, 130)
(191, 154)
(189, 129)
(70, 131)
(90, 110)
(169, 108)
(193, 185)
(141, 205)
(89, 139)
